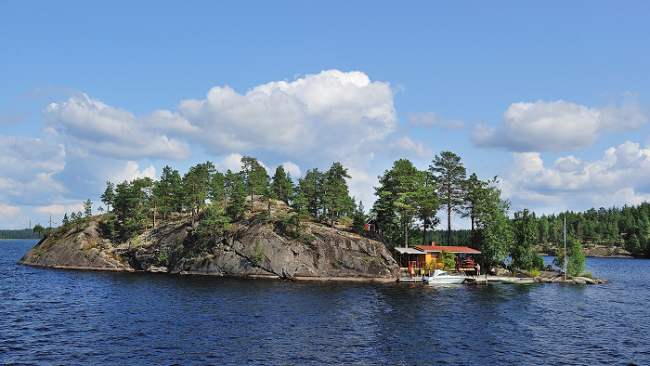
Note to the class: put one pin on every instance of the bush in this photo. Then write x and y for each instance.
(538, 262)
(337, 262)
(258, 256)
(587, 275)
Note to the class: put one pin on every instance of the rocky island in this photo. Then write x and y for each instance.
(257, 246)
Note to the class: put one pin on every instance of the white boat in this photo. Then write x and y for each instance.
(440, 276)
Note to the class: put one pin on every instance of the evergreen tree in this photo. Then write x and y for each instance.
(282, 186)
(255, 176)
(88, 209)
(311, 189)
(449, 174)
(237, 196)
(525, 233)
(108, 197)
(336, 197)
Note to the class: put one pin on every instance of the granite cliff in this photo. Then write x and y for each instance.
(255, 247)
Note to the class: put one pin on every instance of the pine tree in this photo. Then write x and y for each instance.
(109, 196)
(336, 197)
(449, 174)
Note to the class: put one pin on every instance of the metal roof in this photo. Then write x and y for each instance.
(408, 251)
(437, 249)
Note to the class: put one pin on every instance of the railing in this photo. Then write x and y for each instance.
(466, 266)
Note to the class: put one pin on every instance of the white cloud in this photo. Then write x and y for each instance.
(621, 176)
(93, 127)
(292, 169)
(431, 119)
(22, 157)
(6, 210)
(232, 162)
(405, 146)
(331, 113)
(132, 171)
(556, 126)
(52, 209)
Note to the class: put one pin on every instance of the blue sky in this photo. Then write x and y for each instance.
(551, 96)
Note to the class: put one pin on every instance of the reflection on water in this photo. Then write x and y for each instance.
(82, 317)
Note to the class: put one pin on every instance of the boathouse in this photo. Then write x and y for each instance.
(416, 259)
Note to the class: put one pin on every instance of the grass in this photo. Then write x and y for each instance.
(337, 262)
(587, 275)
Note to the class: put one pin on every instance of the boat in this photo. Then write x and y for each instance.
(440, 276)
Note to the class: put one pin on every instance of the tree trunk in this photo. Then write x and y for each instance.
(449, 225)
(406, 235)
(424, 234)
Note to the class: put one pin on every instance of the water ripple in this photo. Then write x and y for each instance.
(78, 318)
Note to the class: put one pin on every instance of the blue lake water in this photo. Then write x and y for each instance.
(65, 317)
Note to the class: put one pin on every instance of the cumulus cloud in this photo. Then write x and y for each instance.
(132, 171)
(231, 162)
(22, 157)
(6, 210)
(405, 146)
(93, 127)
(621, 176)
(333, 111)
(292, 169)
(332, 114)
(433, 120)
(556, 126)
(51, 209)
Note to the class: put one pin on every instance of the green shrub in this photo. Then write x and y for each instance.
(258, 256)
(538, 261)
(337, 262)
(587, 275)
(163, 259)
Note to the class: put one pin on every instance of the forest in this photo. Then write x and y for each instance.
(18, 234)
(408, 206)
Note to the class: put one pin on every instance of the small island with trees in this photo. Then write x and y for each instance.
(249, 224)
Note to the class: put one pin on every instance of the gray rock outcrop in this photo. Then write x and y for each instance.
(251, 249)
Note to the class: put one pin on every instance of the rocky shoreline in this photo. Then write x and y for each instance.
(251, 249)
(557, 277)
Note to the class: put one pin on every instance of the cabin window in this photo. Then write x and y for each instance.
(434, 255)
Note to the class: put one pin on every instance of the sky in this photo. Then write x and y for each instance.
(552, 97)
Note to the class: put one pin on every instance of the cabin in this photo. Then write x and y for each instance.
(415, 260)
(371, 225)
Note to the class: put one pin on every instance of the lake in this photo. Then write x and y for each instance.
(68, 317)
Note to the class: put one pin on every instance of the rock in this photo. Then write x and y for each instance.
(256, 250)
(154, 269)
(579, 281)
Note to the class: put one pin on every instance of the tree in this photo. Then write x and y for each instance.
(108, 197)
(359, 219)
(255, 176)
(525, 233)
(575, 255)
(494, 232)
(88, 209)
(167, 190)
(449, 174)
(282, 186)
(336, 197)
(214, 221)
(404, 194)
(39, 229)
(311, 189)
(236, 191)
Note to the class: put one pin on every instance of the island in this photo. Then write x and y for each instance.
(257, 246)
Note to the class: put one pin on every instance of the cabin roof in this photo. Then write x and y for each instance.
(437, 249)
(408, 251)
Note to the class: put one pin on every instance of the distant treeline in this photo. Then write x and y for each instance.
(18, 234)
